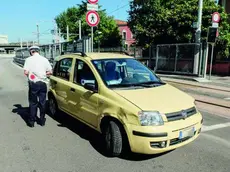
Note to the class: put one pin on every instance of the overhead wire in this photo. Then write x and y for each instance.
(119, 8)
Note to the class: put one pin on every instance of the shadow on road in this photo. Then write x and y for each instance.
(86, 133)
(95, 138)
(22, 111)
(82, 130)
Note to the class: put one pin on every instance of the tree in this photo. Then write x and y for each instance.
(171, 21)
(106, 32)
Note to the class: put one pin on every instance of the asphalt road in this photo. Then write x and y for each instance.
(69, 146)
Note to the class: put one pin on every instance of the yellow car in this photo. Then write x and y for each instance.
(121, 98)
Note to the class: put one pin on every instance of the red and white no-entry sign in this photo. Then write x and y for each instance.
(93, 1)
(92, 18)
(216, 17)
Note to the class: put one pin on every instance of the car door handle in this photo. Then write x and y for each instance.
(72, 89)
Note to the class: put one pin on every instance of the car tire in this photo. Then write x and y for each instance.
(53, 106)
(113, 139)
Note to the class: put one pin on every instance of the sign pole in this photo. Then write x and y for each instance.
(210, 70)
(92, 37)
(211, 38)
(92, 17)
(206, 60)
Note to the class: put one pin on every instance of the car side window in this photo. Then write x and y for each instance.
(63, 68)
(83, 74)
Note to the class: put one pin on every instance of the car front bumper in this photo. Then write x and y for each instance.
(159, 139)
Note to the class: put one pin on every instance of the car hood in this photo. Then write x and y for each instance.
(164, 99)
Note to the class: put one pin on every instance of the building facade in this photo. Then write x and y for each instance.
(3, 39)
(127, 35)
(225, 4)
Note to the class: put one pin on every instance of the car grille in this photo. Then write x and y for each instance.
(181, 114)
(177, 141)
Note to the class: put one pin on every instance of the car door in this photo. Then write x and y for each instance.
(60, 82)
(82, 102)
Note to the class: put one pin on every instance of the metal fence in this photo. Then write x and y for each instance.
(52, 51)
(167, 58)
(176, 58)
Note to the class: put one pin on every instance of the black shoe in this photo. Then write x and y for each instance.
(30, 124)
(42, 122)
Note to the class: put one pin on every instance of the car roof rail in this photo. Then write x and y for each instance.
(83, 54)
(126, 53)
(115, 51)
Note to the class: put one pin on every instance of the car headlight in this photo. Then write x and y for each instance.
(150, 118)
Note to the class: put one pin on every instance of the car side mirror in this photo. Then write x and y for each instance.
(91, 87)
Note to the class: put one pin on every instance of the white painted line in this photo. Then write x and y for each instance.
(214, 127)
(216, 139)
(228, 98)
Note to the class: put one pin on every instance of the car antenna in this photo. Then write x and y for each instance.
(83, 54)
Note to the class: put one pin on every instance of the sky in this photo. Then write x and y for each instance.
(18, 19)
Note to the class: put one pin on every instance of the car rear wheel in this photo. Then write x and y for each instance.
(113, 139)
(53, 107)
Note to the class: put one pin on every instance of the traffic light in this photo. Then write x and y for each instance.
(212, 34)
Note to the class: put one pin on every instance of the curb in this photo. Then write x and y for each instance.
(194, 85)
(214, 104)
(176, 77)
(211, 101)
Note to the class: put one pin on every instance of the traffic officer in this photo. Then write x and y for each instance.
(37, 69)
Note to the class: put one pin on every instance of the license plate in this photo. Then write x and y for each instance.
(187, 133)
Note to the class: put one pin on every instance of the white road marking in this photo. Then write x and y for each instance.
(218, 140)
(228, 98)
(215, 127)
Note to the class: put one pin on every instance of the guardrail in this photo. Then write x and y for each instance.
(21, 61)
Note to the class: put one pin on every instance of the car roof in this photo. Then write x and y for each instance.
(96, 56)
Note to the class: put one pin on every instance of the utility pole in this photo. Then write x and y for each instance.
(67, 33)
(56, 33)
(80, 29)
(38, 33)
(198, 37)
(199, 22)
(21, 42)
(59, 37)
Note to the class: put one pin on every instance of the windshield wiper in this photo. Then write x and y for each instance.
(150, 83)
(124, 85)
(153, 82)
(141, 84)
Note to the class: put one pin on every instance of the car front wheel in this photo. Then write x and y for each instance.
(113, 138)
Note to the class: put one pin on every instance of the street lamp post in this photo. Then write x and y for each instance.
(198, 37)
(38, 33)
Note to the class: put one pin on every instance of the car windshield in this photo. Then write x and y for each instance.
(118, 73)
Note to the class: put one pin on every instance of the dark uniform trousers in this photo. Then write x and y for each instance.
(37, 99)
